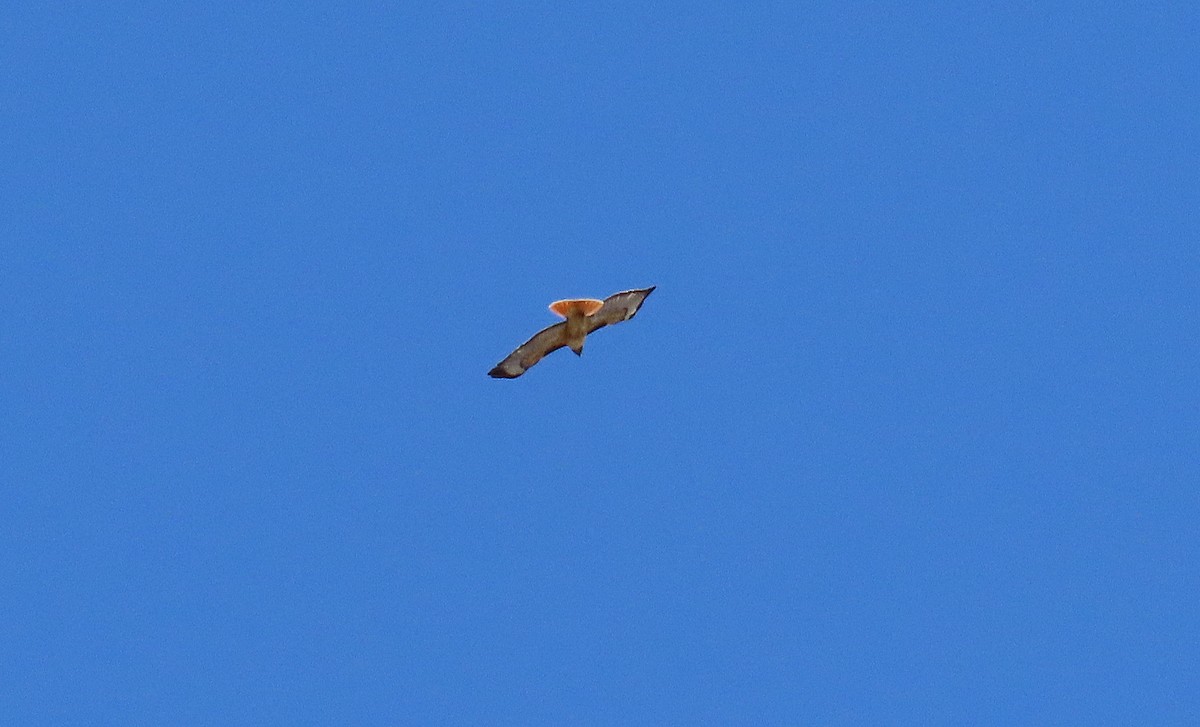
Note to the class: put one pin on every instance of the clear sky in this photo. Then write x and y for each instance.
(908, 433)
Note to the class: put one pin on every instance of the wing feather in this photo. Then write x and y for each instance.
(618, 307)
(528, 353)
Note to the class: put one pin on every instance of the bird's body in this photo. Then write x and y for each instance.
(583, 316)
(575, 333)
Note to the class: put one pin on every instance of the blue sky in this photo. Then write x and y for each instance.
(907, 434)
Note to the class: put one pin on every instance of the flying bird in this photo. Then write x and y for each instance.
(583, 316)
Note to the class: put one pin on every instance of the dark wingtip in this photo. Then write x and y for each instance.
(499, 373)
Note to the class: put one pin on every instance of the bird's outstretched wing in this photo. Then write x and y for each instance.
(530, 352)
(618, 307)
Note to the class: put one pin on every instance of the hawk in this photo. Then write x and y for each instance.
(583, 316)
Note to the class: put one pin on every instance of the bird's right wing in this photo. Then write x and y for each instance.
(530, 352)
(618, 307)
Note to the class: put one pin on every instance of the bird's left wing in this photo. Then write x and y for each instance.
(530, 352)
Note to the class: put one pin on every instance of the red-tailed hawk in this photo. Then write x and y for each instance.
(583, 316)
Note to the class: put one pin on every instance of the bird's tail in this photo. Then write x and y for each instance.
(578, 306)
